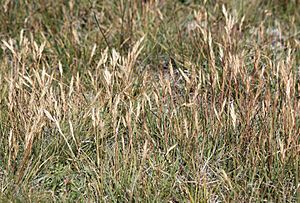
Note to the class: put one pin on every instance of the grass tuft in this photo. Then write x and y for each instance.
(163, 101)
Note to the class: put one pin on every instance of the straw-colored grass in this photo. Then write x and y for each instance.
(150, 101)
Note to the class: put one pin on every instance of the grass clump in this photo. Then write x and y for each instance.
(163, 101)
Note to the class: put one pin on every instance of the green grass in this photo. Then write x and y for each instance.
(149, 101)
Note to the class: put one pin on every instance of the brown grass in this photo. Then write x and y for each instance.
(149, 101)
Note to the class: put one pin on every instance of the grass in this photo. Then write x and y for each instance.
(150, 101)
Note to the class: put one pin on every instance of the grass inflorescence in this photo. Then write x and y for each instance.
(150, 100)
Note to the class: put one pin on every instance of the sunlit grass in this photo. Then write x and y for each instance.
(160, 101)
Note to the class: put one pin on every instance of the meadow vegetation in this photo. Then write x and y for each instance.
(149, 101)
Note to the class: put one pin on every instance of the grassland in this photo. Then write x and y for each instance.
(149, 101)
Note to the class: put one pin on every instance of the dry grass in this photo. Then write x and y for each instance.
(163, 101)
